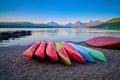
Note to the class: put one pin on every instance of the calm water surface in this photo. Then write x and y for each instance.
(57, 34)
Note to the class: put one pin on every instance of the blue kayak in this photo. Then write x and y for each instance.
(94, 53)
(84, 53)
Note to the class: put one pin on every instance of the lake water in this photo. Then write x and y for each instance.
(57, 34)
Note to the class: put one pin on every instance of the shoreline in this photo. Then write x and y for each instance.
(14, 66)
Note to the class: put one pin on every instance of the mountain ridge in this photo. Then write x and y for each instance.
(110, 24)
(51, 24)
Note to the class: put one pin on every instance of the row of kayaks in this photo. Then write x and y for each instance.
(64, 52)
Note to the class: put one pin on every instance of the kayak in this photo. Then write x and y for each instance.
(31, 50)
(94, 53)
(73, 53)
(98, 55)
(84, 53)
(51, 51)
(62, 54)
(40, 52)
(104, 42)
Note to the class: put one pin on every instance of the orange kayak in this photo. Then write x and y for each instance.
(51, 51)
(31, 50)
(40, 52)
(104, 42)
(73, 53)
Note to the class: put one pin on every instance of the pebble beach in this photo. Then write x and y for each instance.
(14, 66)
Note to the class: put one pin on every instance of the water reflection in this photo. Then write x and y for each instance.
(58, 34)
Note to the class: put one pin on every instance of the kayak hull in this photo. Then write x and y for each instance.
(51, 51)
(62, 54)
(96, 54)
(84, 53)
(73, 53)
(31, 50)
(104, 42)
(40, 52)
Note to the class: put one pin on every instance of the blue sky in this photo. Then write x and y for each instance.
(61, 11)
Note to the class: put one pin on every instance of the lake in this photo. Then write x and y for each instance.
(57, 34)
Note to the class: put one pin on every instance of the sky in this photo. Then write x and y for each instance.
(61, 11)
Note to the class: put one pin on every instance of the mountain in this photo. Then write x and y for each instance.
(52, 23)
(29, 25)
(92, 23)
(23, 25)
(78, 24)
(98, 22)
(114, 20)
(110, 24)
(16, 23)
(68, 25)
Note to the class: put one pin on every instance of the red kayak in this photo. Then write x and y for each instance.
(30, 51)
(73, 53)
(40, 52)
(51, 51)
(104, 42)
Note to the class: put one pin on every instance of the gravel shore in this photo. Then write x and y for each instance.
(14, 66)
